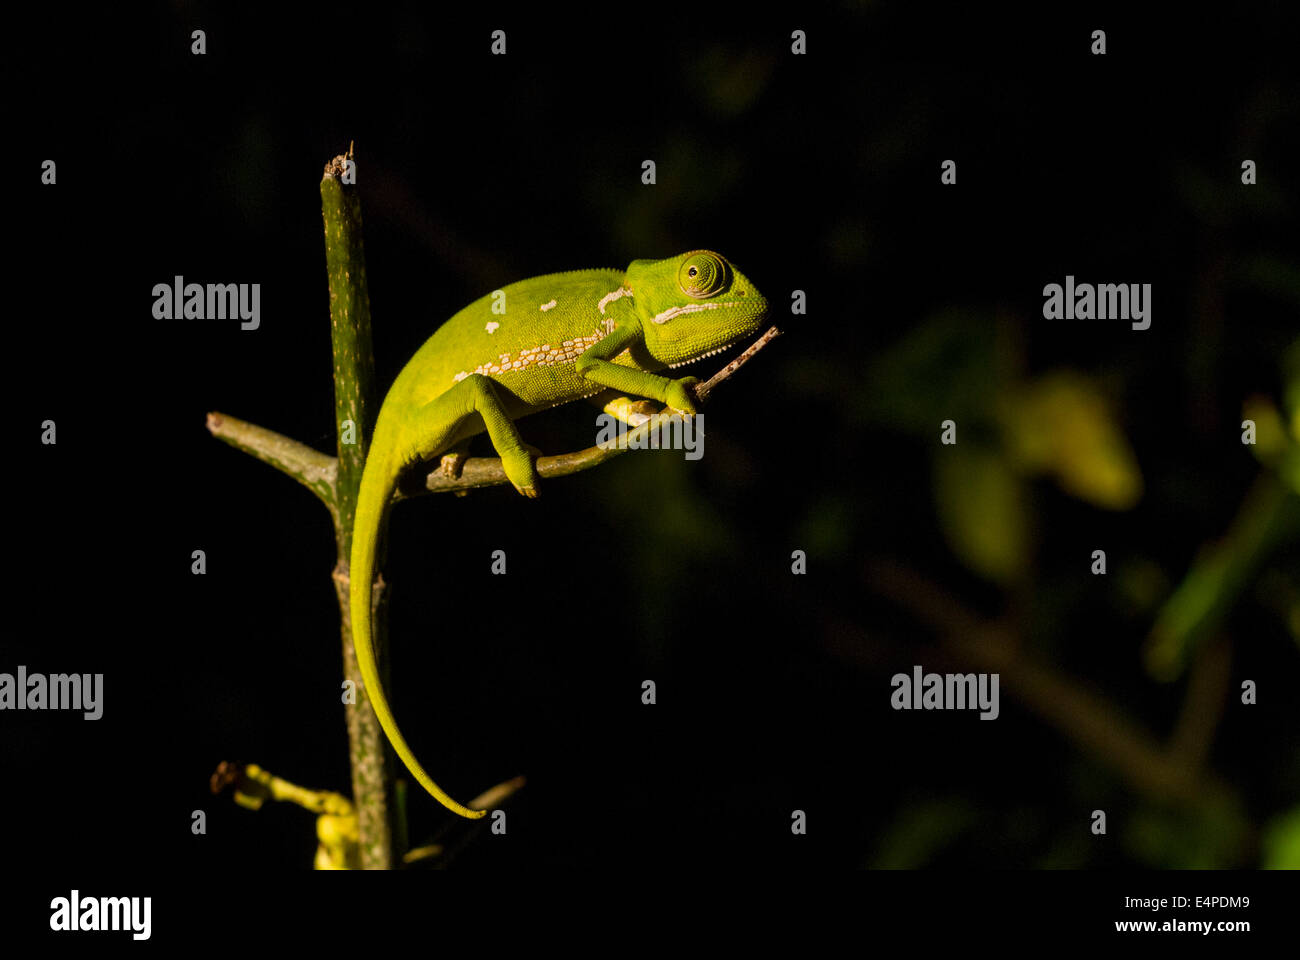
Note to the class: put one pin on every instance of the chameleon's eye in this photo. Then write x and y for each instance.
(702, 275)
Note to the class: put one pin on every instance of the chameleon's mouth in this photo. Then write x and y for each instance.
(674, 334)
(725, 346)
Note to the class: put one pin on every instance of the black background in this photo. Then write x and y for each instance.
(818, 173)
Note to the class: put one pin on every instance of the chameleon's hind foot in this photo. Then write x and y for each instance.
(521, 471)
(453, 463)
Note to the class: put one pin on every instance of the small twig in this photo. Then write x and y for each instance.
(493, 797)
(253, 786)
(313, 469)
(703, 390)
(456, 832)
(1203, 704)
(336, 817)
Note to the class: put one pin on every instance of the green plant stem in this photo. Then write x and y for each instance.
(354, 380)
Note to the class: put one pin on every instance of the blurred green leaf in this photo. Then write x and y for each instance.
(1270, 434)
(1270, 515)
(982, 509)
(1281, 842)
(1061, 424)
(1209, 836)
(921, 831)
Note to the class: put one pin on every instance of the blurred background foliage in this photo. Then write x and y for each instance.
(1120, 692)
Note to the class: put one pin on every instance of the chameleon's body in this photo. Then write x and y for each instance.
(556, 338)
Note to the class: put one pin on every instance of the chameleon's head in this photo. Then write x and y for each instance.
(693, 305)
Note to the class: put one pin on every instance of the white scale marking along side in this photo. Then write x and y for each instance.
(543, 356)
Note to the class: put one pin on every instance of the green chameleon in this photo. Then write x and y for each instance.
(532, 345)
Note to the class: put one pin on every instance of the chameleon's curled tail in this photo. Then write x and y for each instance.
(377, 485)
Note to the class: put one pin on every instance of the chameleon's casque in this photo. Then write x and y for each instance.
(532, 345)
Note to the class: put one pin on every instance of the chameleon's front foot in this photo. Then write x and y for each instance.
(680, 397)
